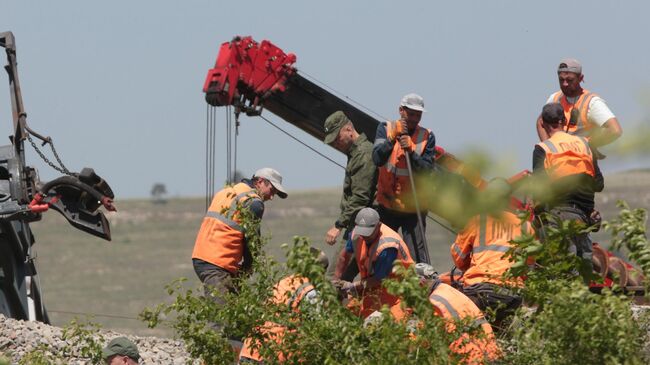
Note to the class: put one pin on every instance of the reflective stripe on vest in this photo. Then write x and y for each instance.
(447, 305)
(366, 255)
(393, 184)
(227, 221)
(566, 155)
(459, 252)
(221, 238)
(298, 294)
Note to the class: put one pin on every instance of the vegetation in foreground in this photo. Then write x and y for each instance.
(564, 324)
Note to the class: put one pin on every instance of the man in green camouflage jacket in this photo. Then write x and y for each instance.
(360, 179)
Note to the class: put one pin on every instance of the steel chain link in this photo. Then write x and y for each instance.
(61, 169)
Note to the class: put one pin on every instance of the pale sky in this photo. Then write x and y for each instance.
(118, 84)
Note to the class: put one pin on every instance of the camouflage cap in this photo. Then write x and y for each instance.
(121, 346)
(333, 125)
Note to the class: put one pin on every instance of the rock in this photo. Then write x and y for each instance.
(18, 338)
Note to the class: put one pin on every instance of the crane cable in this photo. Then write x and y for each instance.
(432, 218)
(429, 215)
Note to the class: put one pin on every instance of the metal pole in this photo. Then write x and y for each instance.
(417, 208)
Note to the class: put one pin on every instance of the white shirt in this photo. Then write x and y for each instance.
(597, 113)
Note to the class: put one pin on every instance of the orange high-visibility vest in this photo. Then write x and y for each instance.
(583, 127)
(220, 240)
(289, 291)
(567, 155)
(480, 247)
(453, 305)
(366, 256)
(393, 184)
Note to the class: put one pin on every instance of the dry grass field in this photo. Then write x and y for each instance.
(152, 244)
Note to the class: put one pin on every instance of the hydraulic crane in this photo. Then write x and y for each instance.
(252, 76)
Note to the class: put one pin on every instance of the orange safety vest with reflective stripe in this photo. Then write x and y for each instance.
(583, 126)
(290, 291)
(567, 155)
(453, 306)
(393, 183)
(366, 256)
(220, 240)
(480, 247)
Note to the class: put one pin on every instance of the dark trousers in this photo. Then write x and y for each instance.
(409, 228)
(580, 244)
(217, 282)
(501, 301)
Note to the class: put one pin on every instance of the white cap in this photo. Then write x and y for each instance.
(274, 178)
(413, 102)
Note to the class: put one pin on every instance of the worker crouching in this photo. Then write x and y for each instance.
(293, 293)
(480, 252)
(376, 247)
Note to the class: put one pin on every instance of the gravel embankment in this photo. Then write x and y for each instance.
(18, 338)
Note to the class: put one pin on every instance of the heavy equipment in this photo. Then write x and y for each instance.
(251, 76)
(24, 198)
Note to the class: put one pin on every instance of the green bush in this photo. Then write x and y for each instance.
(564, 322)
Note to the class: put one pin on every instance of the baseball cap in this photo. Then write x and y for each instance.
(121, 346)
(552, 113)
(413, 102)
(333, 125)
(570, 65)
(425, 270)
(366, 221)
(274, 178)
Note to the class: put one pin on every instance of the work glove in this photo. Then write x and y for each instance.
(398, 129)
(406, 143)
(345, 288)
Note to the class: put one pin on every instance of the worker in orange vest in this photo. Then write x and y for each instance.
(454, 306)
(476, 347)
(568, 163)
(294, 291)
(394, 143)
(220, 251)
(479, 251)
(375, 247)
(586, 113)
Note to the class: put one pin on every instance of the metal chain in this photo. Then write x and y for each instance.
(61, 169)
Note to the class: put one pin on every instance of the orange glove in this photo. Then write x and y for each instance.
(398, 129)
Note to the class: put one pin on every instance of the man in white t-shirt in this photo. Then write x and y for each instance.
(586, 113)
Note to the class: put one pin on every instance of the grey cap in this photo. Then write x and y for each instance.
(366, 221)
(552, 113)
(425, 270)
(413, 102)
(121, 346)
(333, 125)
(570, 65)
(274, 178)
